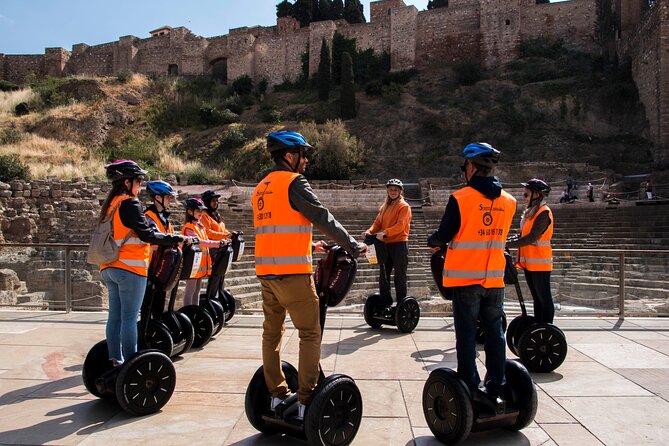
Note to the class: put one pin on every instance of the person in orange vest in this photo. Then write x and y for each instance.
(535, 254)
(157, 214)
(126, 277)
(285, 209)
(193, 228)
(391, 227)
(212, 219)
(475, 226)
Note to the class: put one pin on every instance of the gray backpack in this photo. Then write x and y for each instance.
(103, 248)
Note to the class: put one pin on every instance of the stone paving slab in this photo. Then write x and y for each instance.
(612, 389)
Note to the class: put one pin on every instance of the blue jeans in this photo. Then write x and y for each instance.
(126, 292)
(469, 304)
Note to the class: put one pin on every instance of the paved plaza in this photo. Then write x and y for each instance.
(613, 388)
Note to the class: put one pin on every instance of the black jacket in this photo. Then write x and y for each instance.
(132, 216)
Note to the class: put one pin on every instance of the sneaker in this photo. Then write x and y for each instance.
(275, 402)
(300, 411)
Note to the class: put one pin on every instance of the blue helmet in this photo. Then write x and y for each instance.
(481, 153)
(159, 188)
(287, 140)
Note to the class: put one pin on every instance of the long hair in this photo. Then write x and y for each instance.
(213, 213)
(189, 218)
(388, 201)
(118, 188)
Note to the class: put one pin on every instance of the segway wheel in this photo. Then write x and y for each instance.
(187, 330)
(334, 414)
(521, 394)
(542, 347)
(96, 363)
(145, 383)
(216, 312)
(257, 399)
(158, 337)
(229, 304)
(515, 330)
(447, 406)
(407, 315)
(371, 304)
(480, 335)
(202, 324)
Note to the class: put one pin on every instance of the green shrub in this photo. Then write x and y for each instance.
(374, 88)
(262, 86)
(347, 98)
(8, 86)
(166, 116)
(48, 90)
(542, 46)
(468, 72)
(251, 162)
(400, 77)
(143, 150)
(339, 155)
(10, 135)
(210, 115)
(391, 94)
(234, 137)
(235, 104)
(11, 168)
(270, 114)
(124, 75)
(243, 85)
(201, 175)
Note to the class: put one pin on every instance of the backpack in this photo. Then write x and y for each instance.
(103, 248)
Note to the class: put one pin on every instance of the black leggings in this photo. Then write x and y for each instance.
(398, 258)
(540, 287)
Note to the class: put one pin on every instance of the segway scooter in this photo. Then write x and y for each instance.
(202, 320)
(542, 347)
(437, 267)
(221, 262)
(144, 383)
(168, 331)
(334, 412)
(378, 311)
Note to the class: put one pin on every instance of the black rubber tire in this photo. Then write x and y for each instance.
(257, 398)
(372, 302)
(521, 393)
(96, 363)
(542, 348)
(215, 310)
(202, 324)
(447, 406)
(187, 330)
(145, 383)
(334, 413)
(480, 336)
(407, 315)
(516, 328)
(229, 304)
(157, 337)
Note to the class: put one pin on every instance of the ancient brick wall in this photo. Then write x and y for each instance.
(97, 60)
(18, 67)
(403, 37)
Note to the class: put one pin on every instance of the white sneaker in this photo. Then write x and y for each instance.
(300, 411)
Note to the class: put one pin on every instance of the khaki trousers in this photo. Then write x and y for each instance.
(297, 295)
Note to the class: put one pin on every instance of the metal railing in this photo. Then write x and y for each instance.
(621, 254)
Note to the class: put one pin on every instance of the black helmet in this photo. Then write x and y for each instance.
(194, 203)
(481, 153)
(209, 195)
(287, 140)
(122, 169)
(537, 185)
(395, 182)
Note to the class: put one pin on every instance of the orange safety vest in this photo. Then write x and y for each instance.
(283, 235)
(475, 256)
(539, 255)
(133, 255)
(205, 263)
(159, 224)
(214, 229)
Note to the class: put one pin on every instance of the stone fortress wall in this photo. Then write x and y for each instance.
(486, 30)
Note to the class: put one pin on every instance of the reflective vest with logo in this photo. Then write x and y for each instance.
(539, 255)
(205, 263)
(283, 235)
(133, 255)
(161, 228)
(475, 256)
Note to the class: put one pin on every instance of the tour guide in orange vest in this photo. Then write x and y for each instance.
(535, 253)
(284, 210)
(126, 277)
(475, 226)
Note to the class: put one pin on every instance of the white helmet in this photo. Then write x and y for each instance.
(395, 182)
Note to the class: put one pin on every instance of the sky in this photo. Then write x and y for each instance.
(29, 26)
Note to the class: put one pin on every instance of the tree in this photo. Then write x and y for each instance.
(337, 9)
(434, 4)
(353, 12)
(302, 12)
(340, 45)
(325, 10)
(315, 11)
(324, 73)
(347, 88)
(284, 9)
